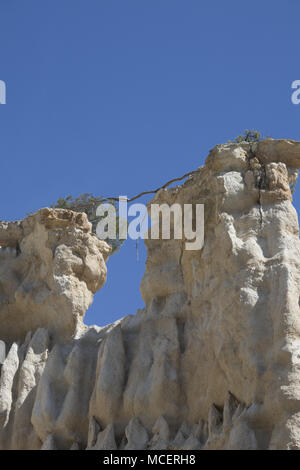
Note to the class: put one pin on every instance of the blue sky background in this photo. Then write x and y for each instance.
(118, 96)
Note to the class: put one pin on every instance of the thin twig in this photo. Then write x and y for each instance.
(154, 191)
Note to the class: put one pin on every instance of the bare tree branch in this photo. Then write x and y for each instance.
(154, 191)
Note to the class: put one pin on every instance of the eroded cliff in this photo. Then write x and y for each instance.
(213, 360)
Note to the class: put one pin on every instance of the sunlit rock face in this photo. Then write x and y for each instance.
(50, 267)
(212, 362)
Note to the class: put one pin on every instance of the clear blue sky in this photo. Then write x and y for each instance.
(114, 97)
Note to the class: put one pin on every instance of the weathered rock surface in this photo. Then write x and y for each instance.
(212, 362)
(50, 267)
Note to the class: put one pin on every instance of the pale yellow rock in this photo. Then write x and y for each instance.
(50, 282)
(212, 362)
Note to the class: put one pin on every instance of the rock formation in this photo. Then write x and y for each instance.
(212, 362)
(50, 267)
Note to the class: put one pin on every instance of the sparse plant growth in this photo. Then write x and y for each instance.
(251, 135)
(88, 204)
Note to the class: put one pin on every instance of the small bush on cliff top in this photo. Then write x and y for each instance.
(248, 136)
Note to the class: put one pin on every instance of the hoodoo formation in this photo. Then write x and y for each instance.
(212, 362)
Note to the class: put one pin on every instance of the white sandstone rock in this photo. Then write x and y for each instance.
(212, 362)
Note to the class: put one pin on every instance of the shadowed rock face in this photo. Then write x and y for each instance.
(212, 362)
